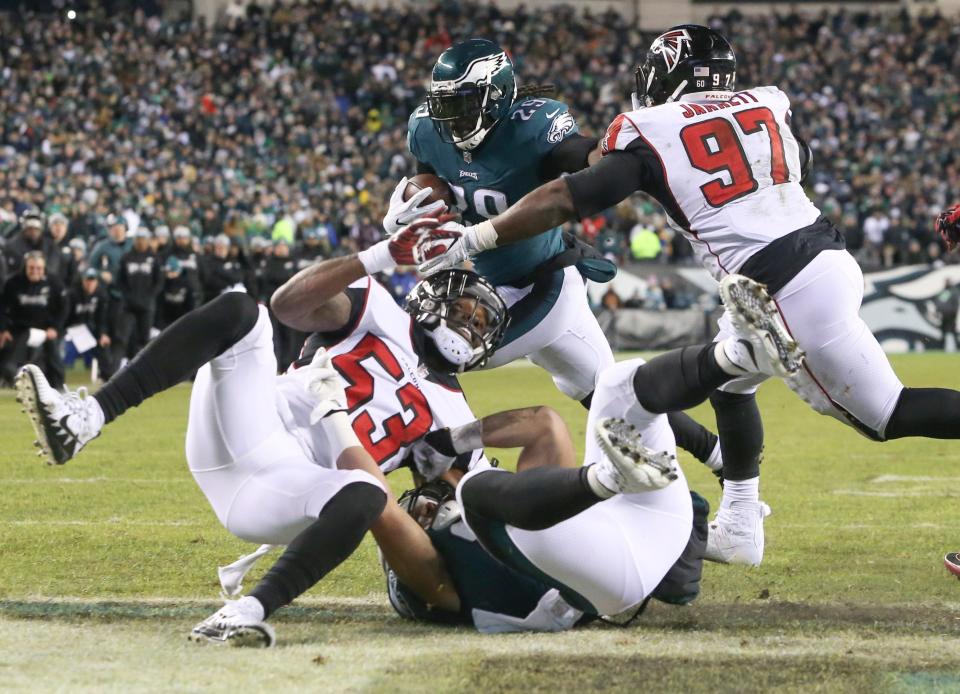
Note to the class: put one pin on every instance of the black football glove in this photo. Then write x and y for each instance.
(948, 226)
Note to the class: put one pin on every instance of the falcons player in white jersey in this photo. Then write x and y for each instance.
(726, 165)
(298, 459)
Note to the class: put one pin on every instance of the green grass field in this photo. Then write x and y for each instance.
(107, 562)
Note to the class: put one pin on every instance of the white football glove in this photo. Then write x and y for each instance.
(324, 383)
(403, 212)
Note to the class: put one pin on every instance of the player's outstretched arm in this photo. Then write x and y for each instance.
(565, 199)
(314, 299)
(539, 431)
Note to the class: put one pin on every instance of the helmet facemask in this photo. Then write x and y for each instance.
(465, 115)
(464, 317)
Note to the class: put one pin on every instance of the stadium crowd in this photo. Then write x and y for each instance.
(143, 158)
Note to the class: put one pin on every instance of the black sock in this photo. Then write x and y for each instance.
(679, 379)
(322, 547)
(741, 434)
(692, 436)
(530, 500)
(930, 412)
(179, 351)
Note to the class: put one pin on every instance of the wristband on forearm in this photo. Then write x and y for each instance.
(377, 258)
(482, 237)
(467, 437)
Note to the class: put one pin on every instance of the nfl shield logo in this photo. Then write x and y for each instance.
(467, 157)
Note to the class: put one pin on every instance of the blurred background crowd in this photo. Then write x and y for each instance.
(211, 156)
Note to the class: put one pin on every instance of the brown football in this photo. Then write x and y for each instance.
(441, 191)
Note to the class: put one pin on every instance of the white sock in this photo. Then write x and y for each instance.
(715, 461)
(730, 353)
(251, 607)
(596, 486)
(96, 412)
(740, 490)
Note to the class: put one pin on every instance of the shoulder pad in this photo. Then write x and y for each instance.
(544, 121)
(771, 92)
(621, 132)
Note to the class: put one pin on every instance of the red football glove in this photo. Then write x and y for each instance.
(422, 239)
(948, 226)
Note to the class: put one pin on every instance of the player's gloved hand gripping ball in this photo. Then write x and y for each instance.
(416, 198)
(948, 226)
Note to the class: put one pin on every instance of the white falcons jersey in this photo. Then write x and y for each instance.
(730, 168)
(392, 399)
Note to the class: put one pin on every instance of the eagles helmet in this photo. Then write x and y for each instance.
(685, 59)
(471, 89)
(463, 315)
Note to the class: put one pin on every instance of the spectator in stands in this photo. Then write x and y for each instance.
(33, 309)
(310, 250)
(161, 244)
(221, 273)
(140, 281)
(177, 297)
(297, 108)
(190, 263)
(88, 306)
(279, 267)
(31, 239)
(62, 264)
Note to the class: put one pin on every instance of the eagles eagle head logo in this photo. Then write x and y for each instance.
(672, 45)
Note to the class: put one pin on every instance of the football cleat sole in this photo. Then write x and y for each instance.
(620, 442)
(754, 311)
(259, 635)
(29, 398)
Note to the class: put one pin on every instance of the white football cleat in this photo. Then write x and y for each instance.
(735, 535)
(64, 422)
(630, 467)
(754, 314)
(233, 625)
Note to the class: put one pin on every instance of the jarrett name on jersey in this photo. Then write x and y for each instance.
(488, 180)
(725, 166)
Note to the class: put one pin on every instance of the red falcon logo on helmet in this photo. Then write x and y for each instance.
(672, 46)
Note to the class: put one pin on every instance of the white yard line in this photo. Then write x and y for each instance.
(881, 479)
(108, 521)
(96, 480)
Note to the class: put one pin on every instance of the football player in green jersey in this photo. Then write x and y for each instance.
(493, 143)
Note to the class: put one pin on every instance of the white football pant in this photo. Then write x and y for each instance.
(615, 553)
(567, 342)
(847, 374)
(260, 481)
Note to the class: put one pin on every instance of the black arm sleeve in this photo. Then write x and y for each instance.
(806, 158)
(425, 168)
(568, 156)
(614, 178)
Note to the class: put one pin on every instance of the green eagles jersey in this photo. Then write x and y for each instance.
(497, 174)
(481, 581)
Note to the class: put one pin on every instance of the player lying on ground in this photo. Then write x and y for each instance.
(726, 166)
(273, 454)
(544, 549)
(548, 548)
(493, 143)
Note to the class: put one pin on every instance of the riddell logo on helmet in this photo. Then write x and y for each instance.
(672, 46)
